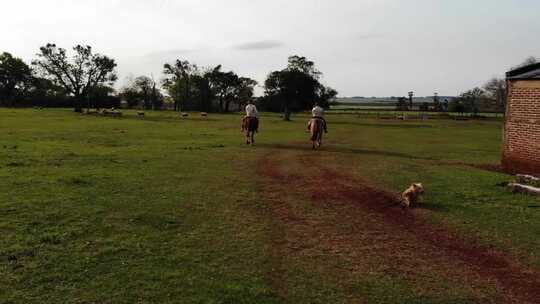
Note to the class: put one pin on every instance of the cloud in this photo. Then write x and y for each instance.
(259, 45)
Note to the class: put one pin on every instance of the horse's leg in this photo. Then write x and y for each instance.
(252, 138)
(247, 138)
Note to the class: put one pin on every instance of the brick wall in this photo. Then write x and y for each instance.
(521, 151)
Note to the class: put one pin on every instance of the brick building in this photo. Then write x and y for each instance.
(521, 150)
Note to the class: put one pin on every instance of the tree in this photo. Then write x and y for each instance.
(326, 96)
(245, 91)
(301, 64)
(15, 77)
(296, 87)
(44, 93)
(131, 95)
(79, 75)
(528, 61)
(102, 96)
(471, 98)
(402, 104)
(496, 90)
(225, 85)
(193, 88)
(145, 84)
(457, 106)
(437, 105)
(178, 81)
(156, 98)
(142, 91)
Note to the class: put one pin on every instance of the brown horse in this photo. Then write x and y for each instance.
(316, 127)
(250, 125)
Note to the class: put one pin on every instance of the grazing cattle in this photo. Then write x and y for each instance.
(184, 115)
(92, 112)
(204, 114)
(411, 195)
(112, 112)
(316, 126)
(250, 125)
(140, 114)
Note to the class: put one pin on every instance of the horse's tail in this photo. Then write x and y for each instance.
(316, 128)
(250, 124)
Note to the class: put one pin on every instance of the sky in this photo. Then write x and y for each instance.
(362, 47)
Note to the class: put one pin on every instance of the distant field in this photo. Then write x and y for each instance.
(367, 105)
(372, 106)
(375, 100)
(390, 112)
(164, 210)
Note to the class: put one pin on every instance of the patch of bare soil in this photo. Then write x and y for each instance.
(371, 233)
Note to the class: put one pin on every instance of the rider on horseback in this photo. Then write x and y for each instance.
(250, 123)
(318, 112)
(251, 114)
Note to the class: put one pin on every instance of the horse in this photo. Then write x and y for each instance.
(250, 125)
(316, 127)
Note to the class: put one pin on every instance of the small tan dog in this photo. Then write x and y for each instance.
(411, 195)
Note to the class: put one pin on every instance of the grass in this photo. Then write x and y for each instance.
(163, 210)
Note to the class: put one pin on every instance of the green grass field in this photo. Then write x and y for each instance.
(164, 210)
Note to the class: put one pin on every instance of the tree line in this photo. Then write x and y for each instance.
(85, 79)
(491, 97)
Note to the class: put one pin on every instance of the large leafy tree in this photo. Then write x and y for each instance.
(15, 78)
(179, 81)
(45, 93)
(224, 85)
(145, 85)
(495, 89)
(142, 91)
(79, 74)
(193, 88)
(245, 91)
(204, 90)
(103, 96)
(471, 99)
(297, 87)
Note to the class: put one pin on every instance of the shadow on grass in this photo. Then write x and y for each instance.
(333, 149)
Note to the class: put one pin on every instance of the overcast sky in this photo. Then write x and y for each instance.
(363, 47)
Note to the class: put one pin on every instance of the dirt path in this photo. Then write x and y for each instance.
(352, 222)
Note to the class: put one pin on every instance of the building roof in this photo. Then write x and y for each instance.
(531, 71)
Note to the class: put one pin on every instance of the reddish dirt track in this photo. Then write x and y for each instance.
(405, 238)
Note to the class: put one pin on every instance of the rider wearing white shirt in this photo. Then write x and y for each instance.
(251, 111)
(318, 111)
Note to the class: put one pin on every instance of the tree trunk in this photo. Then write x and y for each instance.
(227, 105)
(286, 114)
(78, 103)
(221, 103)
